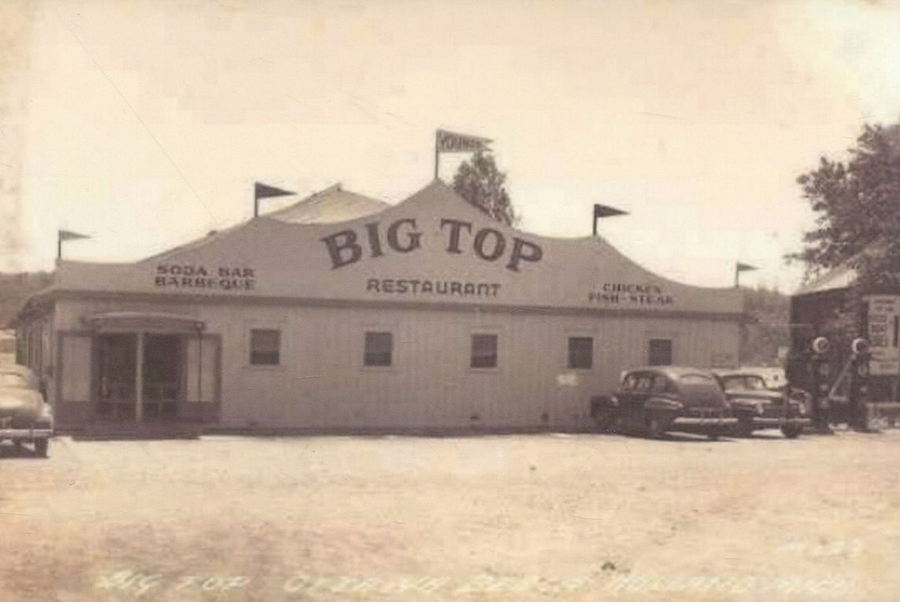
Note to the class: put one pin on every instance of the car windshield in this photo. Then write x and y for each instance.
(743, 382)
(8, 379)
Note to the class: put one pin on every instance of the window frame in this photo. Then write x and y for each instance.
(366, 353)
(496, 355)
(671, 342)
(569, 357)
(279, 363)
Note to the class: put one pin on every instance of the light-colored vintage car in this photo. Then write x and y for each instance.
(24, 415)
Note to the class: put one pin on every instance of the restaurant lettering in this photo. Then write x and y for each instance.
(403, 236)
(202, 277)
(417, 286)
(622, 293)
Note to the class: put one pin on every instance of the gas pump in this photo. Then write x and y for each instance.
(820, 377)
(858, 387)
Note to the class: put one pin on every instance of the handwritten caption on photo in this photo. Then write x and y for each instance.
(145, 584)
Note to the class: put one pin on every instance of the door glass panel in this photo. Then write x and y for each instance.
(116, 373)
(162, 375)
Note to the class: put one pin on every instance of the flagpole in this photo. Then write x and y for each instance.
(58, 245)
(737, 273)
(436, 155)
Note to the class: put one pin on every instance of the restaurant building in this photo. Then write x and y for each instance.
(342, 313)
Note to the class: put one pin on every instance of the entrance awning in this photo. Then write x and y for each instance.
(141, 320)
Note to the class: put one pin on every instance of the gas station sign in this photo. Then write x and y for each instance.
(883, 334)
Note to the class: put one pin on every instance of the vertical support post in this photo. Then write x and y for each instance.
(199, 366)
(139, 379)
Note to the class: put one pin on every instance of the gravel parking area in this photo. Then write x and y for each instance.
(525, 517)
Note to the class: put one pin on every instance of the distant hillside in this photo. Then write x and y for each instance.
(15, 288)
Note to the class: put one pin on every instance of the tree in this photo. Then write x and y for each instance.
(857, 206)
(480, 182)
(767, 329)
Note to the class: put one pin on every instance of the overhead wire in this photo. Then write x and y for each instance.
(134, 112)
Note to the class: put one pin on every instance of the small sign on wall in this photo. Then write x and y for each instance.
(883, 334)
(568, 379)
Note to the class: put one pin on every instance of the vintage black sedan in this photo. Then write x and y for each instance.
(24, 415)
(659, 399)
(758, 407)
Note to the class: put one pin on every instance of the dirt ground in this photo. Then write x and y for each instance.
(526, 517)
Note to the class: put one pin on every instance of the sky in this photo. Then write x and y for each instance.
(146, 122)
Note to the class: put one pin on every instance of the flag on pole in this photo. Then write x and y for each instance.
(264, 191)
(68, 235)
(605, 211)
(741, 267)
(63, 235)
(451, 142)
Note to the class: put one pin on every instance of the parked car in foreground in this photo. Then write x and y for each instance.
(757, 407)
(24, 415)
(660, 399)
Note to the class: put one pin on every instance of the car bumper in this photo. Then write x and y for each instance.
(764, 422)
(25, 434)
(704, 422)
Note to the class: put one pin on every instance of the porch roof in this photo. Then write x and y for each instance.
(144, 320)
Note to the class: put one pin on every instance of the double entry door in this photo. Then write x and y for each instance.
(139, 376)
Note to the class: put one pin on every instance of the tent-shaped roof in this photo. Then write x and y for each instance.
(432, 249)
(331, 205)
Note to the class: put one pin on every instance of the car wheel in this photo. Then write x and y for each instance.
(606, 422)
(791, 431)
(40, 447)
(744, 427)
(654, 426)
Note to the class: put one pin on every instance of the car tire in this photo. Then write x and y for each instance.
(41, 447)
(744, 427)
(607, 422)
(791, 431)
(654, 427)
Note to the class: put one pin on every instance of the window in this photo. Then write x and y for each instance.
(379, 349)
(265, 347)
(696, 379)
(581, 353)
(660, 352)
(661, 384)
(484, 351)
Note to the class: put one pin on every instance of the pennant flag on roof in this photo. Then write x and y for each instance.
(607, 211)
(263, 191)
(743, 267)
(68, 235)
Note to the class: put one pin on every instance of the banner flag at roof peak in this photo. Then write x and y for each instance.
(264, 191)
(69, 235)
(452, 142)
